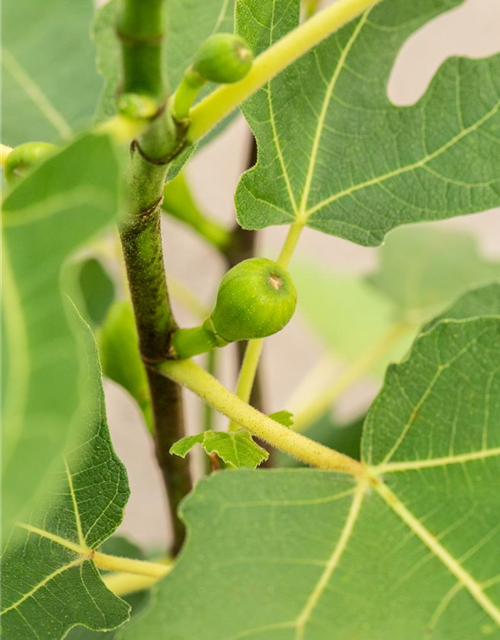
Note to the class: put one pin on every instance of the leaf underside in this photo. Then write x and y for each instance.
(49, 582)
(336, 153)
(312, 555)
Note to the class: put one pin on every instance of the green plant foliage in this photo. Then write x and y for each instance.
(46, 217)
(97, 290)
(335, 153)
(116, 546)
(421, 270)
(283, 417)
(476, 303)
(235, 448)
(184, 38)
(410, 550)
(50, 583)
(50, 85)
(120, 358)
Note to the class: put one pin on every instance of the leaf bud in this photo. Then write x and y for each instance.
(223, 58)
(256, 298)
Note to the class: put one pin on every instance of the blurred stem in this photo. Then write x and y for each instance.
(310, 8)
(179, 202)
(123, 584)
(186, 297)
(323, 400)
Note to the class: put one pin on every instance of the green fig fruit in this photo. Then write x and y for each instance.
(23, 158)
(223, 58)
(256, 298)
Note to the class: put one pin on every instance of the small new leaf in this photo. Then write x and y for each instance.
(235, 448)
(283, 417)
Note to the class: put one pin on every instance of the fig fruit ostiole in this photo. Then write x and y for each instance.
(25, 157)
(256, 299)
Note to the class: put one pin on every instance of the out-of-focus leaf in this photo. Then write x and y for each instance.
(50, 84)
(337, 154)
(235, 448)
(64, 203)
(348, 314)
(120, 358)
(49, 580)
(421, 269)
(96, 290)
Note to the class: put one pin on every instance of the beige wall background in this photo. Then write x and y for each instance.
(472, 30)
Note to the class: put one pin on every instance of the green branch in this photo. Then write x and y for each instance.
(192, 376)
(215, 107)
(141, 29)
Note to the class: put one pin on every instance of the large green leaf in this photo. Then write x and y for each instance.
(49, 581)
(409, 551)
(46, 217)
(333, 149)
(50, 85)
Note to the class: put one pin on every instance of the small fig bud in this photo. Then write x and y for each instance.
(23, 158)
(256, 298)
(136, 105)
(223, 58)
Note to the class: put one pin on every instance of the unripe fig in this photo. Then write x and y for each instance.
(23, 158)
(256, 298)
(223, 58)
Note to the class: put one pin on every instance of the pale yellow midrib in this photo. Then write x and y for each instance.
(324, 110)
(469, 583)
(72, 546)
(274, 130)
(333, 561)
(411, 167)
(36, 95)
(393, 467)
(42, 584)
(78, 522)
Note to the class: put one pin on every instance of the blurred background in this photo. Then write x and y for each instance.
(472, 30)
